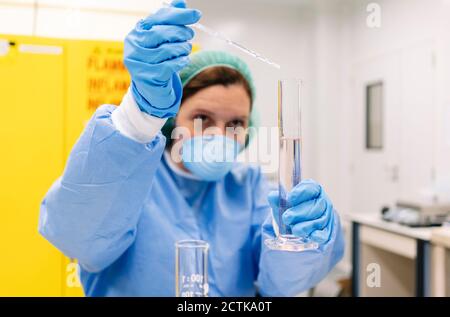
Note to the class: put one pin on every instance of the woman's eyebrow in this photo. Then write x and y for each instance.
(202, 110)
(243, 118)
(213, 114)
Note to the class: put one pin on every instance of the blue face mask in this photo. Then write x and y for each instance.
(210, 157)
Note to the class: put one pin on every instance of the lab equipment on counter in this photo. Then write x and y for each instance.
(417, 214)
(215, 34)
(289, 173)
(191, 268)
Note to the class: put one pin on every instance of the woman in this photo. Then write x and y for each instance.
(123, 201)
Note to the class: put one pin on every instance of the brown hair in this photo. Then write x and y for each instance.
(218, 75)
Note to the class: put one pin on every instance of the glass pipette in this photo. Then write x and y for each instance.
(222, 37)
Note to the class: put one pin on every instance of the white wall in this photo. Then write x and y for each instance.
(442, 152)
(94, 19)
(343, 42)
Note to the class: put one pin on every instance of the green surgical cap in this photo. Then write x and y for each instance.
(207, 59)
(203, 60)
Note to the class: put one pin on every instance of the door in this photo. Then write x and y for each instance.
(402, 168)
(375, 163)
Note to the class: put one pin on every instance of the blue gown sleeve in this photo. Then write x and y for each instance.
(91, 212)
(282, 273)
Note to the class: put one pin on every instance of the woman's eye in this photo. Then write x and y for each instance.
(237, 123)
(200, 117)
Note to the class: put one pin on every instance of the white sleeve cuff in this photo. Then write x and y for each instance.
(133, 123)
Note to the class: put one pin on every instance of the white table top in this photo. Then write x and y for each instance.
(375, 220)
(441, 236)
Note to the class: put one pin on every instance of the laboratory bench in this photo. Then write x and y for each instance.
(406, 261)
(440, 278)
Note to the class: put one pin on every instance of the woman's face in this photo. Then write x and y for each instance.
(219, 109)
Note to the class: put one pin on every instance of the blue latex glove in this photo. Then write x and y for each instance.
(155, 51)
(311, 213)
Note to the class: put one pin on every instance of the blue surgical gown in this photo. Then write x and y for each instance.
(119, 208)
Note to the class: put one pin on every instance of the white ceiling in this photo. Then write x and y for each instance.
(299, 3)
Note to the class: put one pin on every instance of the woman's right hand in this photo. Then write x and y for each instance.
(155, 51)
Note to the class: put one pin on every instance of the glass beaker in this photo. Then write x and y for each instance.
(191, 268)
(289, 169)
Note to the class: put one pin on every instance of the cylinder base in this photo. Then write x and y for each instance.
(291, 243)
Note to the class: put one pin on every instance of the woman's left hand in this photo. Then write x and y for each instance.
(310, 213)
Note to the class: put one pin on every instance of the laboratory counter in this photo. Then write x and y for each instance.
(410, 261)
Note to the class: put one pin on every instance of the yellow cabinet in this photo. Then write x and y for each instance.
(49, 88)
(31, 134)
